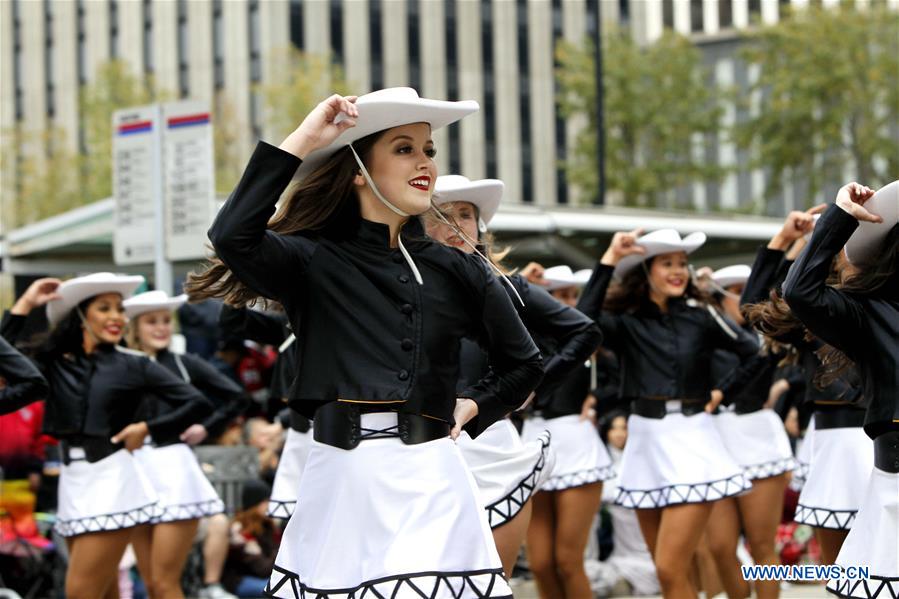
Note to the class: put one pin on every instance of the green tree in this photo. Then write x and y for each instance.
(300, 82)
(656, 101)
(829, 89)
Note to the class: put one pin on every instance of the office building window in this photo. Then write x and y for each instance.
(452, 80)
(148, 36)
(254, 42)
(296, 24)
(412, 25)
(561, 134)
(489, 93)
(696, 16)
(183, 51)
(524, 100)
(375, 47)
(725, 14)
(668, 13)
(48, 58)
(218, 49)
(113, 29)
(336, 14)
(17, 59)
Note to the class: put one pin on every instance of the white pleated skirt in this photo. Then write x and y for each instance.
(841, 463)
(873, 541)
(506, 470)
(183, 490)
(287, 477)
(676, 459)
(803, 457)
(758, 442)
(580, 456)
(111, 494)
(387, 520)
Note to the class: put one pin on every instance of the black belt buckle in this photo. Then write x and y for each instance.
(415, 429)
(886, 452)
(299, 423)
(658, 408)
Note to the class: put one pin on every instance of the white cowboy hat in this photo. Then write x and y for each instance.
(74, 291)
(732, 275)
(559, 277)
(864, 245)
(658, 242)
(385, 109)
(485, 194)
(151, 301)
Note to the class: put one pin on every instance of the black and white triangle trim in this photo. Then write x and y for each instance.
(480, 584)
(103, 522)
(500, 512)
(685, 493)
(769, 469)
(821, 517)
(879, 587)
(190, 511)
(281, 509)
(569, 480)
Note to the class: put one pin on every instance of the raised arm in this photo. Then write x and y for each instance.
(253, 325)
(515, 363)
(24, 383)
(830, 314)
(229, 400)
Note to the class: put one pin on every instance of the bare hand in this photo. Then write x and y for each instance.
(796, 225)
(132, 435)
(588, 409)
(533, 272)
(623, 244)
(466, 409)
(852, 198)
(322, 126)
(716, 398)
(38, 294)
(195, 433)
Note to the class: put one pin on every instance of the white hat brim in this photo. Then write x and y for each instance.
(485, 194)
(688, 244)
(74, 291)
(151, 302)
(737, 274)
(386, 109)
(865, 243)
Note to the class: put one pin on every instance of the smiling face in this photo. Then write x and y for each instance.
(104, 318)
(154, 330)
(401, 164)
(668, 274)
(464, 215)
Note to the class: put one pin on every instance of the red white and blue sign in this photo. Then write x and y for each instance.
(136, 127)
(189, 120)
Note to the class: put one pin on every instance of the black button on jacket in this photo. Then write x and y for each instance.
(864, 327)
(99, 394)
(24, 383)
(357, 301)
(565, 337)
(664, 355)
(227, 397)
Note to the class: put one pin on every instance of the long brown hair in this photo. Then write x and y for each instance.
(632, 291)
(883, 274)
(324, 202)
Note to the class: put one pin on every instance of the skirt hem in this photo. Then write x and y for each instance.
(769, 469)
(504, 510)
(189, 511)
(868, 588)
(107, 522)
(821, 517)
(683, 493)
(570, 480)
(282, 509)
(424, 584)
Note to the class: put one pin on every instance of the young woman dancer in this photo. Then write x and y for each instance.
(388, 503)
(96, 389)
(570, 498)
(754, 435)
(839, 455)
(860, 319)
(185, 494)
(22, 381)
(506, 470)
(675, 463)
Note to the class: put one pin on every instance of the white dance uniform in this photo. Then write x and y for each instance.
(580, 456)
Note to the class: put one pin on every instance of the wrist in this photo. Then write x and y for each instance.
(779, 242)
(609, 258)
(298, 144)
(22, 307)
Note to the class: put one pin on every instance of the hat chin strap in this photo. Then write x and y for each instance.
(387, 203)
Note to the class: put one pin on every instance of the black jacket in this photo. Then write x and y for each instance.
(565, 337)
(370, 332)
(864, 327)
(664, 355)
(229, 399)
(24, 383)
(99, 394)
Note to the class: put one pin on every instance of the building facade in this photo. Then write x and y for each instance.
(498, 52)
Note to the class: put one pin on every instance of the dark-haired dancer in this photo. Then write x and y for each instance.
(860, 318)
(388, 505)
